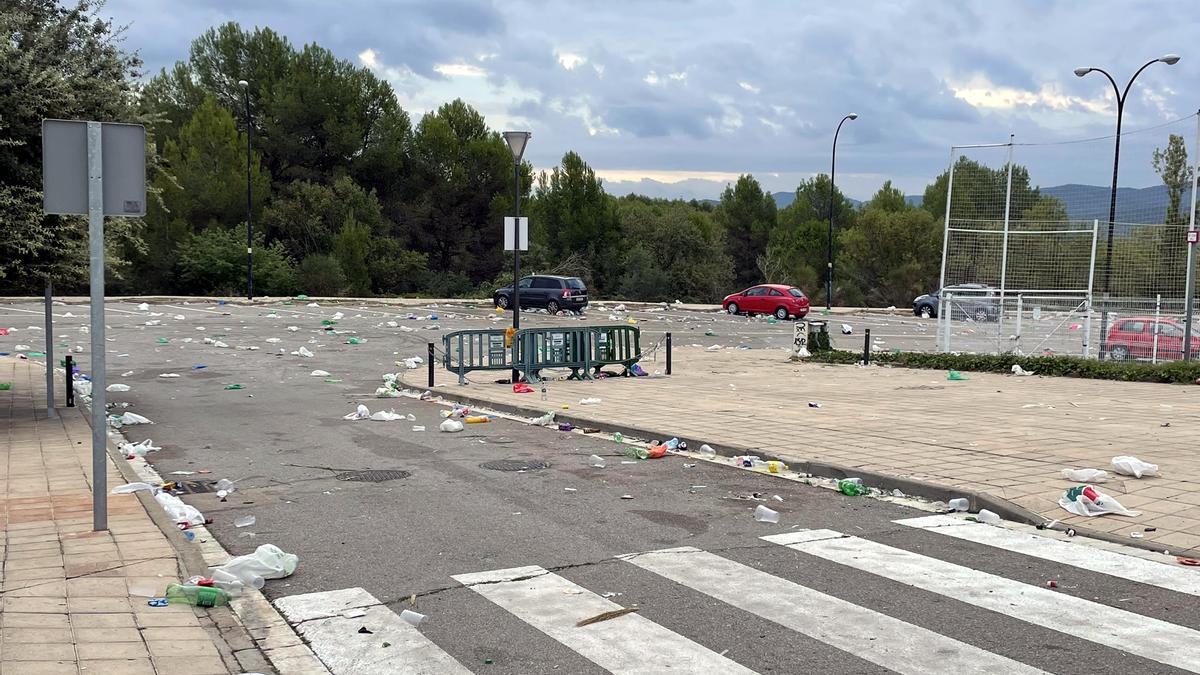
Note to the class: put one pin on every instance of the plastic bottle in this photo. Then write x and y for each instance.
(618, 438)
(672, 444)
(634, 452)
(959, 504)
(987, 517)
(849, 487)
(596, 461)
(198, 596)
(707, 451)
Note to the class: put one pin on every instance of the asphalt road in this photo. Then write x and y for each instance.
(283, 439)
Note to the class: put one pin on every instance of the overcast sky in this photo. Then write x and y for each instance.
(677, 97)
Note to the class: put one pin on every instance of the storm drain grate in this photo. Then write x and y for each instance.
(515, 465)
(373, 475)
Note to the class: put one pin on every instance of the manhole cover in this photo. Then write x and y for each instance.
(373, 475)
(515, 465)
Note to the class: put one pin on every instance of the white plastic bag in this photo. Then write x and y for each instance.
(303, 352)
(267, 562)
(117, 387)
(386, 416)
(589, 401)
(1086, 500)
(413, 363)
(319, 373)
(178, 511)
(387, 392)
(129, 419)
(138, 449)
(1019, 371)
(847, 329)
(130, 488)
(451, 425)
(360, 413)
(82, 387)
(1085, 475)
(1127, 465)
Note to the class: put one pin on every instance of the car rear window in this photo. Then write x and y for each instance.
(576, 284)
(796, 292)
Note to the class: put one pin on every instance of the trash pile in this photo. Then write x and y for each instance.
(1086, 500)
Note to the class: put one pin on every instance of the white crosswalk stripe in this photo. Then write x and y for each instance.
(627, 644)
(1084, 557)
(1144, 636)
(878, 638)
(330, 621)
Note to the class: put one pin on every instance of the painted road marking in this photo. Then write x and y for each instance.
(329, 621)
(1180, 579)
(894, 644)
(627, 644)
(1141, 635)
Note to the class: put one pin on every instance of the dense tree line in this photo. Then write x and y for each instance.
(351, 198)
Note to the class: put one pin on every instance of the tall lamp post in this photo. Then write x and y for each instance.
(1170, 60)
(249, 199)
(517, 140)
(829, 251)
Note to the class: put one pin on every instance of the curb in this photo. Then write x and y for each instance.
(886, 482)
(259, 622)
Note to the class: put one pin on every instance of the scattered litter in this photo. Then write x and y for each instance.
(1085, 475)
(522, 388)
(386, 416)
(129, 419)
(410, 617)
(234, 387)
(544, 420)
(182, 473)
(477, 419)
(814, 404)
(418, 427)
(764, 515)
(144, 307)
(1070, 532)
(1085, 500)
(168, 375)
(959, 504)
(570, 490)
(130, 488)
(302, 352)
(451, 425)
(184, 515)
(127, 373)
(898, 493)
(360, 413)
(244, 521)
(707, 451)
(293, 329)
(596, 461)
(627, 496)
(117, 387)
(777, 498)
(714, 348)
(1019, 371)
(1132, 466)
(131, 450)
(851, 487)
(955, 376)
(606, 616)
(1190, 562)
(411, 363)
(1136, 535)
(267, 562)
(589, 401)
(1052, 584)
(319, 373)
(847, 329)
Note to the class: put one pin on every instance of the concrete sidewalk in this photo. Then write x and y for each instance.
(1003, 436)
(69, 597)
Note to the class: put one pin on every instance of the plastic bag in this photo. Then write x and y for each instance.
(386, 416)
(319, 373)
(413, 363)
(178, 511)
(451, 425)
(360, 413)
(847, 329)
(130, 488)
(387, 392)
(133, 418)
(589, 401)
(138, 449)
(83, 387)
(1086, 500)
(1085, 475)
(1132, 466)
(1019, 371)
(302, 352)
(267, 562)
(522, 388)
(117, 387)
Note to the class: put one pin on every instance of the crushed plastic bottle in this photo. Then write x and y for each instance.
(634, 452)
(197, 596)
(618, 438)
(707, 451)
(764, 515)
(596, 461)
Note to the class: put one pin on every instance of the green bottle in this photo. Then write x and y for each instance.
(198, 596)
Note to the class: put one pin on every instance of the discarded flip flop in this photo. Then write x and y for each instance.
(1190, 562)
(157, 602)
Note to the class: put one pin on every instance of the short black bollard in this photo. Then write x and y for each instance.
(668, 353)
(69, 363)
(867, 347)
(430, 365)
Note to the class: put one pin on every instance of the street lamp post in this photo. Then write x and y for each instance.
(829, 251)
(1170, 60)
(516, 141)
(249, 199)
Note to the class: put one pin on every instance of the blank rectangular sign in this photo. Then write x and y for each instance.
(65, 168)
(511, 237)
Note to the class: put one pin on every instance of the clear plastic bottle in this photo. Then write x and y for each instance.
(197, 596)
(707, 451)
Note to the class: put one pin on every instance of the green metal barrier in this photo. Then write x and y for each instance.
(468, 350)
(614, 346)
(538, 348)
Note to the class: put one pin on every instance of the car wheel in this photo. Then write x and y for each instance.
(1118, 353)
(732, 308)
(981, 315)
(502, 301)
(552, 307)
(926, 310)
(781, 313)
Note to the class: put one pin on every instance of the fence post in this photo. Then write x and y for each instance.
(430, 360)
(69, 362)
(1157, 327)
(867, 347)
(1087, 328)
(668, 353)
(1020, 313)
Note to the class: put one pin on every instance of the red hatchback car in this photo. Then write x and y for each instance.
(782, 301)
(1133, 338)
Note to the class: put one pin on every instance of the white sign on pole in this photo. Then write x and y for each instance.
(512, 238)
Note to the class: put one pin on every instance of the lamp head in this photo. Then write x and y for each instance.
(852, 116)
(243, 84)
(516, 143)
(1080, 72)
(1170, 59)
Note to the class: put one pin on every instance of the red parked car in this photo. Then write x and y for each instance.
(778, 299)
(1133, 338)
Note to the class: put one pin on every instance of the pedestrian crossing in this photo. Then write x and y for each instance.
(557, 609)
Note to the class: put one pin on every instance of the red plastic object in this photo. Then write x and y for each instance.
(522, 388)
(1190, 562)
(656, 451)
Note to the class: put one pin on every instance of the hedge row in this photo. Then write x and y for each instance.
(1177, 372)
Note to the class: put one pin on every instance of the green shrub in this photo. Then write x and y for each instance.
(320, 274)
(1177, 372)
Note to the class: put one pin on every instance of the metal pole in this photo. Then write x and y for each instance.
(1157, 327)
(946, 223)
(1020, 320)
(1189, 292)
(249, 207)
(668, 353)
(99, 413)
(829, 249)
(867, 346)
(1087, 345)
(49, 352)
(1004, 243)
(69, 385)
(516, 263)
(430, 360)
